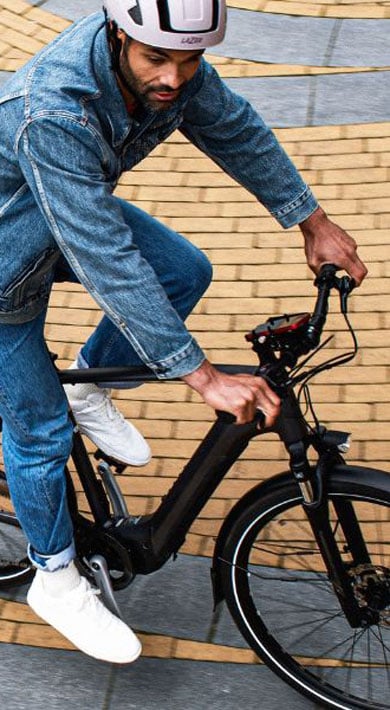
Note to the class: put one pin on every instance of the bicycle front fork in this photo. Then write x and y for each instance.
(312, 484)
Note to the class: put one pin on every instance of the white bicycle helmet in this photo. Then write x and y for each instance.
(170, 24)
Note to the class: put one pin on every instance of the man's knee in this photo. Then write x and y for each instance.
(206, 272)
(199, 276)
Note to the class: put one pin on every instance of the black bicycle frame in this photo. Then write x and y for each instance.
(152, 539)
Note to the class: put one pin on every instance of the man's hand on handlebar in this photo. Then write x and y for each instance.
(327, 243)
(241, 395)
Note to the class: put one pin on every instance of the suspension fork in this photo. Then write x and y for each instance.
(350, 526)
(318, 517)
(294, 434)
(316, 506)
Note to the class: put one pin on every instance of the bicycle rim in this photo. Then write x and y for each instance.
(279, 595)
(15, 567)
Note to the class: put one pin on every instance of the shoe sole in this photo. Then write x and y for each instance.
(109, 452)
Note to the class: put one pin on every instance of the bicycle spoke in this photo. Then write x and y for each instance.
(290, 605)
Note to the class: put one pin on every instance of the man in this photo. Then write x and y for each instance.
(89, 106)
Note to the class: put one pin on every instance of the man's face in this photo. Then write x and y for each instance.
(156, 77)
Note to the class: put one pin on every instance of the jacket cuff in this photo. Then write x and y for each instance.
(181, 363)
(297, 210)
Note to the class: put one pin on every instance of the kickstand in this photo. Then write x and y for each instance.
(100, 571)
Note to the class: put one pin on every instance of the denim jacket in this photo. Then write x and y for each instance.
(66, 137)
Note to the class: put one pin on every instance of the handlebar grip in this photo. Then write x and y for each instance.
(327, 274)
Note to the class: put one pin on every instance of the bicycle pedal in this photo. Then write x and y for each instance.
(118, 466)
(100, 571)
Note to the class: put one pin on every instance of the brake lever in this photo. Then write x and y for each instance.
(344, 285)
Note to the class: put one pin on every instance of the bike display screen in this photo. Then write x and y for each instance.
(280, 324)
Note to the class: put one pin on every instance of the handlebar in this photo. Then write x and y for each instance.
(325, 281)
(299, 334)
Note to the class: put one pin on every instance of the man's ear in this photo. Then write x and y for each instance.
(121, 35)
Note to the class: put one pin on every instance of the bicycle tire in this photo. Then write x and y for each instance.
(15, 567)
(277, 591)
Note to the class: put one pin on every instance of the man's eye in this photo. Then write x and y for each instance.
(155, 60)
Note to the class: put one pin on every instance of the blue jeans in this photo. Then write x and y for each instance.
(37, 432)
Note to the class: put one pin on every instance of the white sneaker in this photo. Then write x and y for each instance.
(99, 419)
(80, 616)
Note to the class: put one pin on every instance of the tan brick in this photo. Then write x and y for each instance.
(375, 356)
(384, 158)
(4, 48)
(25, 43)
(374, 253)
(358, 175)
(355, 375)
(343, 161)
(380, 450)
(269, 272)
(46, 19)
(329, 133)
(17, 22)
(9, 64)
(199, 224)
(169, 194)
(329, 147)
(200, 651)
(382, 412)
(364, 189)
(178, 150)
(378, 144)
(205, 179)
(157, 646)
(225, 241)
(377, 205)
(223, 271)
(144, 177)
(190, 165)
(368, 392)
(383, 221)
(369, 303)
(45, 35)
(293, 8)
(17, 6)
(69, 333)
(369, 11)
(336, 207)
(227, 194)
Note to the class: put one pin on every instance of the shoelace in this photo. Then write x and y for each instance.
(105, 403)
(87, 594)
(111, 409)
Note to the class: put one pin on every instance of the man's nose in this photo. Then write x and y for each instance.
(172, 77)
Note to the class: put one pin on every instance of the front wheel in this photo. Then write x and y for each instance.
(278, 592)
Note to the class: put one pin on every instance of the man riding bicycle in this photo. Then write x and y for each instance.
(89, 106)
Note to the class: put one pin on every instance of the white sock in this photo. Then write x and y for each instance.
(61, 581)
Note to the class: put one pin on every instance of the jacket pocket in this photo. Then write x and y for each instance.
(28, 293)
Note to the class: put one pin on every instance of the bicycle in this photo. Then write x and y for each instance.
(302, 560)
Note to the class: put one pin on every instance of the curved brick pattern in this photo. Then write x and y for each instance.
(258, 272)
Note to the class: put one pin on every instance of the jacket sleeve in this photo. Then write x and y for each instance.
(226, 127)
(64, 168)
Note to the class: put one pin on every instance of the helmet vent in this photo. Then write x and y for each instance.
(188, 15)
(135, 13)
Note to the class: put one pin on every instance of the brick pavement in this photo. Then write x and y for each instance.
(258, 272)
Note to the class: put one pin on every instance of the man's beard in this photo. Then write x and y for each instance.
(140, 91)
